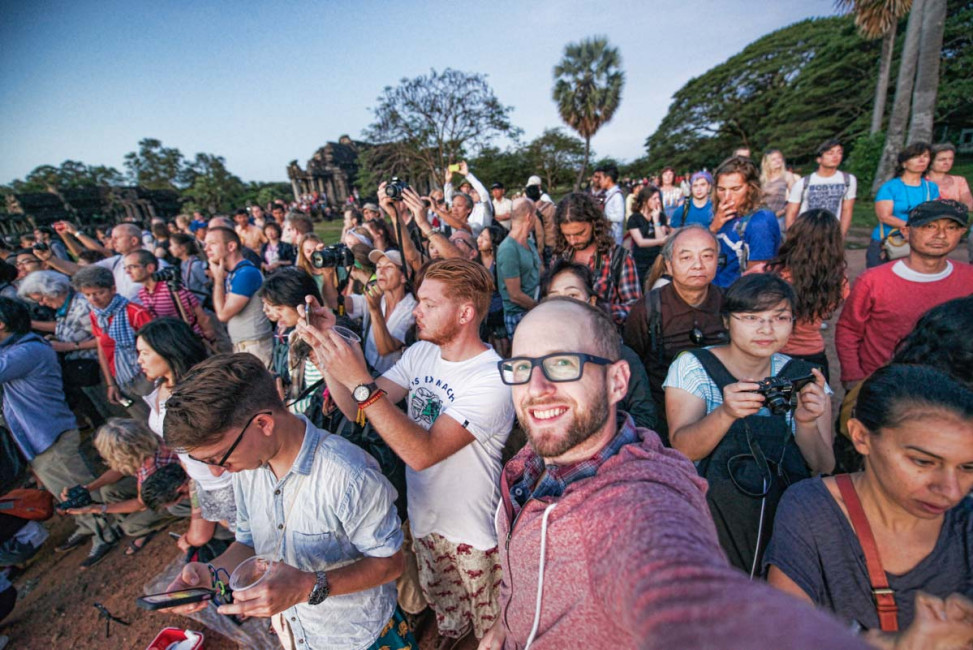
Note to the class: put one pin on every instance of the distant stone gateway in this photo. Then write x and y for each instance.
(332, 171)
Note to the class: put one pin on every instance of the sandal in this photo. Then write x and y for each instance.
(134, 546)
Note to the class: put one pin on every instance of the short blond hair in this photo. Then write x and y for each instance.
(125, 444)
(467, 281)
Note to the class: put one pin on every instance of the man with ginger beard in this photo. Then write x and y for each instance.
(459, 417)
(609, 525)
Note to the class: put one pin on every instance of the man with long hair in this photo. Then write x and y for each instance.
(748, 235)
(584, 235)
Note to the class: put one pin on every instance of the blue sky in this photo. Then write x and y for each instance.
(263, 83)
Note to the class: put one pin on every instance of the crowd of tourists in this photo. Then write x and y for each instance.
(603, 422)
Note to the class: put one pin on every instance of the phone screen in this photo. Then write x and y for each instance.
(177, 595)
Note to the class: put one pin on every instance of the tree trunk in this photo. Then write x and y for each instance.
(895, 137)
(927, 71)
(882, 85)
(584, 165)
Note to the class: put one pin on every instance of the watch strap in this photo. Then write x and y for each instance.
(321, 589)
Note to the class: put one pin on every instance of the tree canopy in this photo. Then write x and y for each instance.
(425, 123)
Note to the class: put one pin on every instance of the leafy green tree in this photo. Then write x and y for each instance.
(556, 154)
(790, 89)
(510, 167)
(878, 19)
(588, 86)
(213, 188)
(69, 175)
(425, 123)
(156, 167)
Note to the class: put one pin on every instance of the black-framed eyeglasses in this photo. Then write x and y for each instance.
(557, 367)
(226, 456)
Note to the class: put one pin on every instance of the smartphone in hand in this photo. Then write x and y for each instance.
(175, 598)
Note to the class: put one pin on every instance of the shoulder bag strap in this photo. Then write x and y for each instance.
(888, 612)
(653, 313)
(713, 367)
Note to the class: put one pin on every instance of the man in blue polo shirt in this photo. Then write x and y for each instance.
(236, 282)
(41, 423)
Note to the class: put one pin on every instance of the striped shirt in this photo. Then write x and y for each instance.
(160, 304)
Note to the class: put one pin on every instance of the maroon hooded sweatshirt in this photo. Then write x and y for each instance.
(631, 560)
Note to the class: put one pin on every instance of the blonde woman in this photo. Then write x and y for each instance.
(133, 453)
(775, 183)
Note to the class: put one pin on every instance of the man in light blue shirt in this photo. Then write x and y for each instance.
(41, 423)
(310, 500)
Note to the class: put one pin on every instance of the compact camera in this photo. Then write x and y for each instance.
(780, 393)
(78, 497)
(395, 187)
(332, 257)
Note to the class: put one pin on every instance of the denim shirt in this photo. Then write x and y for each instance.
(343, 510)
(33, 394)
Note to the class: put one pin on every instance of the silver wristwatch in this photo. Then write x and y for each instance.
(321, 589)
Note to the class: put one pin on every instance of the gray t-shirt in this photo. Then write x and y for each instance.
(815, 546)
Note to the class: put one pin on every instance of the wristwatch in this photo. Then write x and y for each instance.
(321, 589)
(363, 391)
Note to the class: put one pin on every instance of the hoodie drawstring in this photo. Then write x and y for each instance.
(540, 577)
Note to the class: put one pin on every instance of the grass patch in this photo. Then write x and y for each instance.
(328, 231)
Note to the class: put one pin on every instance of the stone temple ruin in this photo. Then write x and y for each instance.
(332, 171)
(86, 206)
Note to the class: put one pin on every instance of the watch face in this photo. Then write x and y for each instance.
(361, 393)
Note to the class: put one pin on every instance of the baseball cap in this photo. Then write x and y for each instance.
(394, 256)
(938, 209)
(497, 186)
(370, 206)
(533, 180)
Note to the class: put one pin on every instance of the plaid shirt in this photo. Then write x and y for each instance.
(539, 481)
(619, 298)
(160, 458)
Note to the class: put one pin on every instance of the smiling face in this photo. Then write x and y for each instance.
(437, 315)
(924, 465)
(761, 333)
(559, 416)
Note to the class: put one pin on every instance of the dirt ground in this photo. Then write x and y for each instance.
(55, 609)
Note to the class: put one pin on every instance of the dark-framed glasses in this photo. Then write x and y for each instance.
(557, 367)
(226, 456)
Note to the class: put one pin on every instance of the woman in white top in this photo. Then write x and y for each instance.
(167, 349)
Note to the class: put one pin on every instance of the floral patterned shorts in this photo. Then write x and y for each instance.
(460, 583)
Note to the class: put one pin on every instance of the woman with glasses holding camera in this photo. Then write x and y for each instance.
(753, 420)
(864, 545)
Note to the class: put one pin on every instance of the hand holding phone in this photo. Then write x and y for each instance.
(175, 598)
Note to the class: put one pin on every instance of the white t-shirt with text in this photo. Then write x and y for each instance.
(457, 497)
(823, 192)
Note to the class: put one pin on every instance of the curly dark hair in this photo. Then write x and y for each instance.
(814, 257)
(941, 339)
(746, 168)
(578, 207)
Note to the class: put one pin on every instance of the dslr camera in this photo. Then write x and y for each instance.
(169, 274)
(78, 497)
(332, 257)
(780, 393)
(394, 188)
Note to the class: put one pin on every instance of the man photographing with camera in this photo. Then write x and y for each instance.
(161, 290)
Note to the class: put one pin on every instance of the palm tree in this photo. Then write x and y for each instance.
(588, 89)
(878, 19)
(927, 71)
